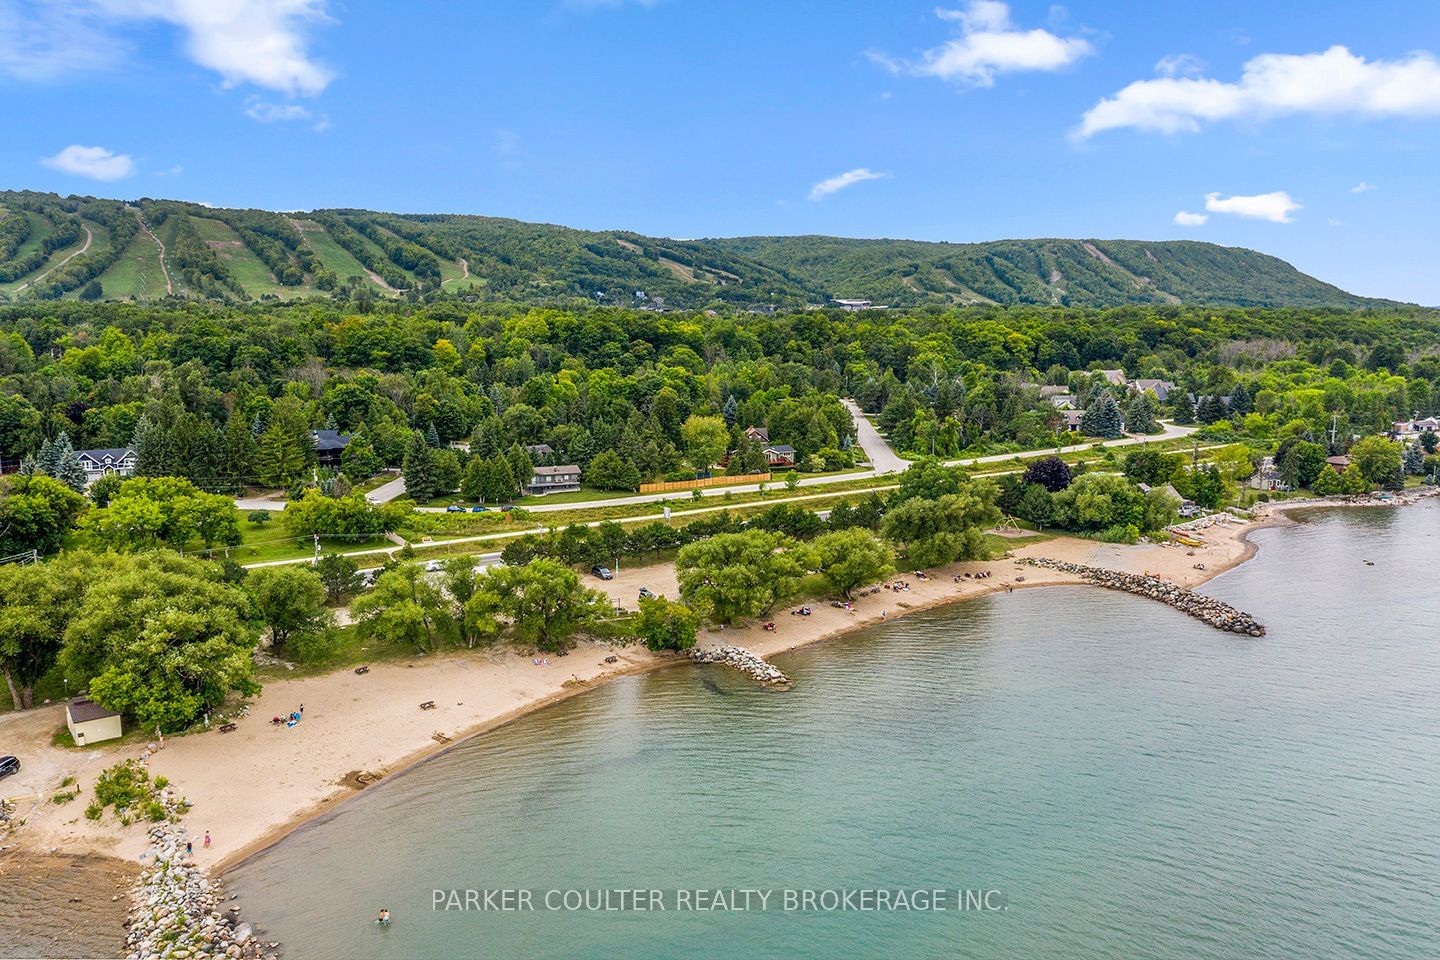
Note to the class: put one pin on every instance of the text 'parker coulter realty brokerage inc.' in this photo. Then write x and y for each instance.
(719, 900)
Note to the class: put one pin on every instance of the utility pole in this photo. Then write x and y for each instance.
(317, 550)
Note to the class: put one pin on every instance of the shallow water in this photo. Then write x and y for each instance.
(1133, 783)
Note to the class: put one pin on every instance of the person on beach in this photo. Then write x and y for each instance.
(384, 918)
(207, 839)
(189, 848)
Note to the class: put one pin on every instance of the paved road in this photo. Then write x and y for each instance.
(883, 461)
(387, 491)
(877, 451)
(1171, 432)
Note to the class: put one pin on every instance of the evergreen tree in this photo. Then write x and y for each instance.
(28, 467)
(432, 436)
(419, 470)
(239, 453)
(71, 472)
(1102, 418)
(1183, 408)
(1140, 414)
(147, 442)
(63, 450)
(521, 467)
(1415, 460)
(731, 410)
(48, 462)
(1210, 410)
(287, 451)
(1241, 402)
(498, 484)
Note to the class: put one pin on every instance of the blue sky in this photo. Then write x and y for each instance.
(685, 118)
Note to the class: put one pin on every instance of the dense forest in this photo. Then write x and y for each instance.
(226, 396)
(54, 247)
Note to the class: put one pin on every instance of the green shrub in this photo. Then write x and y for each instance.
(94, 811)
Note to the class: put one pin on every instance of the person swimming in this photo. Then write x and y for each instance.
(384, 918)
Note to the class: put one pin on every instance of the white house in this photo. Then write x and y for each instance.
(97, 463)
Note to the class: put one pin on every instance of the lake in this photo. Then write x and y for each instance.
(1107, 776)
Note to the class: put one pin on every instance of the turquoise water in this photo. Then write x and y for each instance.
(1132, 783)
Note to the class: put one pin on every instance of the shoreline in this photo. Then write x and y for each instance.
(292, 806)
(764, 645)
(43, 835)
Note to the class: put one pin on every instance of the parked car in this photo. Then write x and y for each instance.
(479, 509)
(454, 508)
(435, 566)
(602, 572)
(507, 508)
(9, 765)
(646, 593)
(367, 577)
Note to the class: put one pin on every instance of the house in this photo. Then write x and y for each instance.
(540, 452)
(91, 723)
(758, 434)
(1063, 401)
(1411, 429)
(1052, 390)
(562, 479)
(780, 455)
(1161, 388)
(852, 304)
(1071, 420)
(97, 463)
(1339, 463)
(329, 444)
(1116, 378)
(1268, 477)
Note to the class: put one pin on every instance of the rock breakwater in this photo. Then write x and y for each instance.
(746, 661)
(1208, 610)
(178, 910)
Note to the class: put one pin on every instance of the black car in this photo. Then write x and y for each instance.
(9, 765)
(646, 593)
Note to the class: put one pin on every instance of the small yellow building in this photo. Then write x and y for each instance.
(91, 723)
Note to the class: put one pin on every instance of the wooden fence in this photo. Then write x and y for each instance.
(669, 485)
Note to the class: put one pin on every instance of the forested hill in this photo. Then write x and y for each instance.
(54, 247)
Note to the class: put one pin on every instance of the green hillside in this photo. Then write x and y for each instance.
(248, 255)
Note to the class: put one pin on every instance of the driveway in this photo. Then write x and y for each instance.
(877, 451)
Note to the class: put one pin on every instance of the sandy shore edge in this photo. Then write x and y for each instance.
(1227, 547)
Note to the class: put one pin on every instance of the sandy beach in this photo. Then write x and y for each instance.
(252, 786)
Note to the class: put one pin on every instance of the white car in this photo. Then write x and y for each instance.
(435, 566)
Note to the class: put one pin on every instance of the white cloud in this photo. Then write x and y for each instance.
(96, 163)
(48, 41)
(1335, 223)
(1275, 207)
(271, 112)
(840, 181)
(1179, 65)
(174, 171)
(1363, 187)
(989, 44)
(261, 42)
(1187, 219)
(1271, 85)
